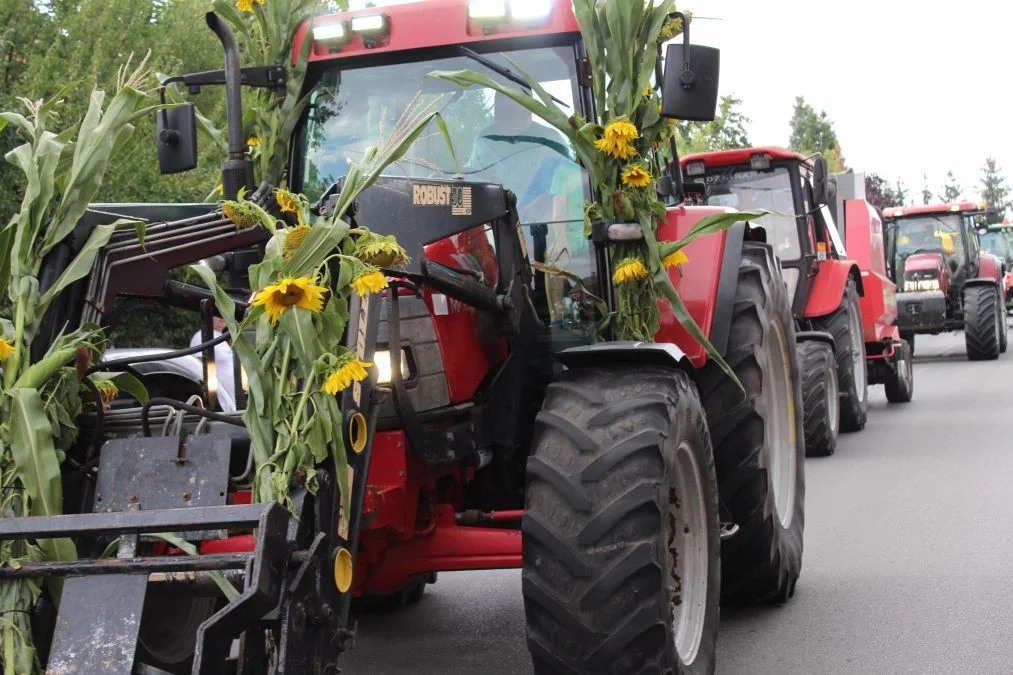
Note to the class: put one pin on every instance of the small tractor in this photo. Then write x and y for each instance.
(944, 280)
(842, 303)
(997, 239)
(634, 483)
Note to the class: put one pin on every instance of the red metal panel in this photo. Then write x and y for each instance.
(698, 284)
(865, 247)
(989, 268)
(448, 547)
(742, 156)
(436, 23)
(828, 287)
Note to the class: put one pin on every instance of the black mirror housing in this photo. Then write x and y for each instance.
(690, 89)
(176, 134)
(821, 194)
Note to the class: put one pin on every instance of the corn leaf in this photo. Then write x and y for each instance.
(717, 222)
(228, 590)
(83, 261)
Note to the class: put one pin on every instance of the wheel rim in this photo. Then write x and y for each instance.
(857, 347)
(780, 429)
(687, 554)
(833, 400)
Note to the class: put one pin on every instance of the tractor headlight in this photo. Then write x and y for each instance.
(928, 285)
(487, 10)
(382, 360)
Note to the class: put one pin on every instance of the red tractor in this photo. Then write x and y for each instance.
(634, 483)
(945, 281)
(842, 310)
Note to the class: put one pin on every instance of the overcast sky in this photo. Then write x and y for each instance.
(912, 87)
(910, 90)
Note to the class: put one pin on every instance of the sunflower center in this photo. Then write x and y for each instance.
(290, 297)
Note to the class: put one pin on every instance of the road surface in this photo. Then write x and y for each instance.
(908, 564)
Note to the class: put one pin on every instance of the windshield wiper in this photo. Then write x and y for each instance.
(503, 71)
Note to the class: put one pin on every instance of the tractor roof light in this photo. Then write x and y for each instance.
(983, 204)
(530, 11)
(759, 162)
(696, 168)
(372, 28)
(955, 207)
(331, 35)
(487, 11)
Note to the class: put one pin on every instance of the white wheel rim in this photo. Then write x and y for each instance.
(833, 399)
(779, 428)
(857, 351)
(688, 554)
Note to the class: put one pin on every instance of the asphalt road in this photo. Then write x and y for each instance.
(908, 563)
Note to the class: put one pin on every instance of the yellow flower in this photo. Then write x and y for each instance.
(382, 253)
(253, 141)
(240, 213)
(219, 189)
(247, 5)
(674, 259)
(294, 239)
(370, 281)
(6, 349)
(287, 202)
(636, 176)
(352, 370)
(300, 292)
(622, 130)
(648, 90)
(615, 148)
(629, 269)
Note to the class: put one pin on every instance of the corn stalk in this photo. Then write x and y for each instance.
(40, 401)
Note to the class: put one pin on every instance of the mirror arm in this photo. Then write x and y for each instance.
(686, 77)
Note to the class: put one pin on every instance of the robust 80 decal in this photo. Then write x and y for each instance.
(457, 197)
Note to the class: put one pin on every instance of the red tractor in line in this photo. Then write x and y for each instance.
(634, 483)
(842, 301)
(945, 281)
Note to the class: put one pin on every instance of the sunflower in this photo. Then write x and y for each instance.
(349, 370)
(289, 203)
(629, 269)
(6, 349)
(253, 141)
(247, 5)
(371, 280)
(622, 130)
(294, 239)
(300, 292)
(240, 213)
(636, 176)
(615, 148)
(381, 252)
(647, 90)
(675, 259)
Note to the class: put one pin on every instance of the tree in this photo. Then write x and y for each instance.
(813, 133)
(726, 131)
(899, 193)
(926, 192)
(994, 189)
(951, 190)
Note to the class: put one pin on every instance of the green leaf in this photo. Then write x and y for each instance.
(717, 222)
(228, 590)
(297, 325)
(37, 465)
(82, 263)
(126, 382)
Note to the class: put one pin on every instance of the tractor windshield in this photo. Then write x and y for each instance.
(996, 242)
(744, 189)
(930, 233)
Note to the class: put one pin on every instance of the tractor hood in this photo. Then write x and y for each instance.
(924, 262)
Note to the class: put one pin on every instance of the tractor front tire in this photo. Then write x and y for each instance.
(759, 443)
(621, 533)
(900, 387)
(845, 324)
(982, 333)
(819, 398)
(1003, 330)
(910, 339)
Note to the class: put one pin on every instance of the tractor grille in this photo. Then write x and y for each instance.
(427, 389)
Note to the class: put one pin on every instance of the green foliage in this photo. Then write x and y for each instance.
(881, 194)
(951, 191)
(813, 133)
(926, 192)
(994, 188)
(726, 131)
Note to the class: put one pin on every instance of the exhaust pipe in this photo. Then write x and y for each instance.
(237, 170)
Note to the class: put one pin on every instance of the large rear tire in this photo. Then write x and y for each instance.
(845, 324)
(759, 445)
(1003, 330)
(900, 388)
(819, 398)
(621, 526)
(982, 333)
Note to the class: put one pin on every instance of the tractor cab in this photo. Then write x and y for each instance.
(801, 229)
(997, 239)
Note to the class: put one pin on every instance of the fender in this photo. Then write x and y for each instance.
(827, 290)
(639, 353)
(815, 336)
(989, 267)
(981, 281)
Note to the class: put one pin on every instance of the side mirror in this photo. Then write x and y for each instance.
(176, 134)
(690, 88)
(820, 175)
